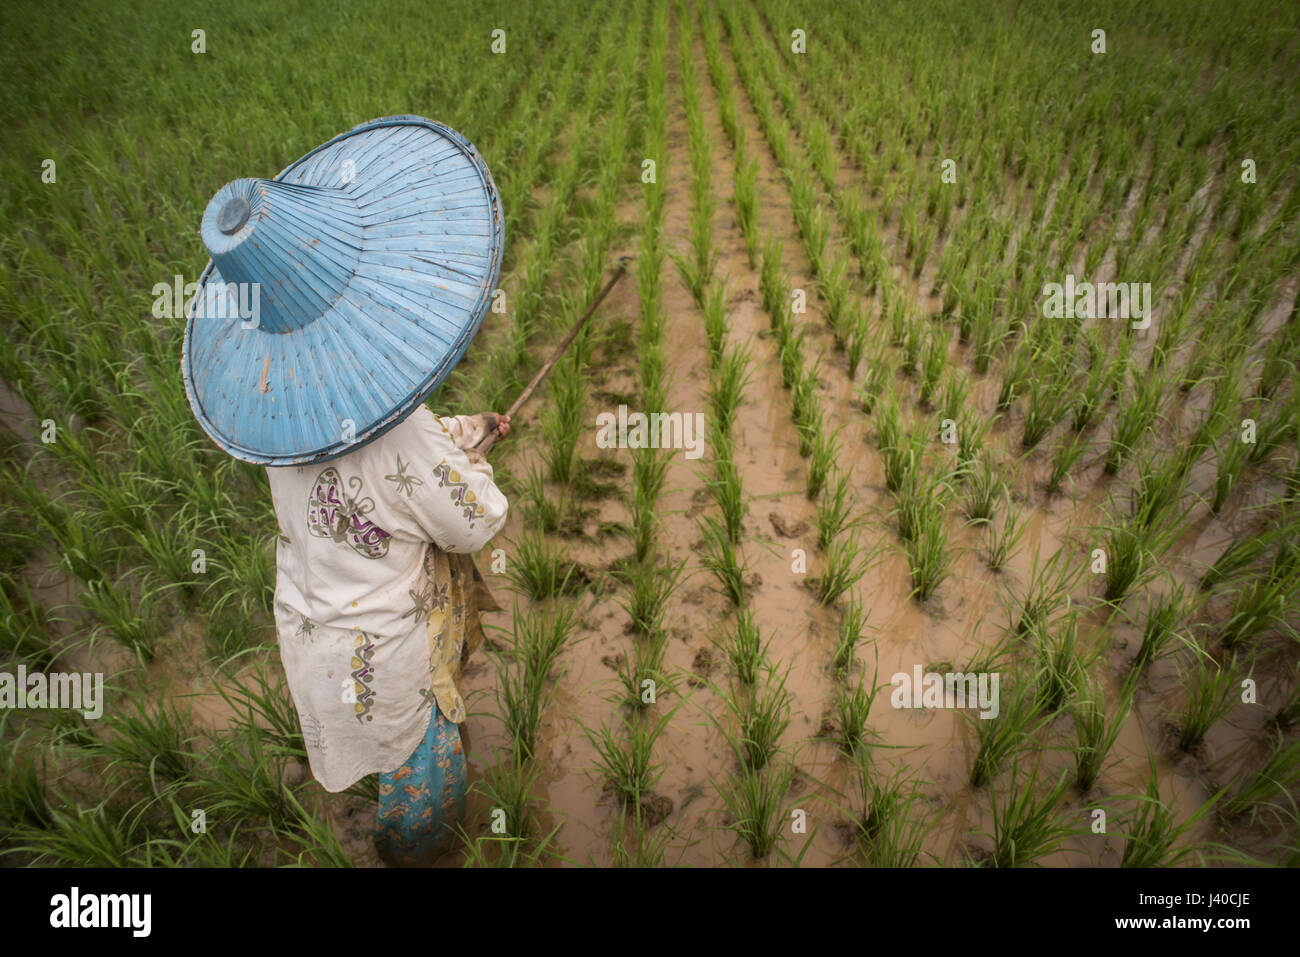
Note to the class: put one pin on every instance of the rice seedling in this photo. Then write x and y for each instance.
(1003, 543)
(543, 508)
(23, 801)
(928, 555)
(645, 675)
(807, 408)
(1277, 778)
(627, 762)
(934, 362)
(1150, 832)
(23, 633)
(154, 742)
(853, 624)
(522, 693)
(1134, 419)
(858, 340)
(1003, 736)
(747, 206)
(649, 467)
(843, 564)
(1231, 461)
(720, 557)
(540, 636)
(834, 510)
(243, 778)
(745, 649)
(1050, 398)
(762, 716)
(650, 584)
(877, 377)
(852, 708)
(792, 357)
(1210, 692)
(894, 823)
(1047, 592)
(105, 835)
(984, 487)
(771, 283)
(1068, 454)
(129, 619)
(1162, 629)
(727, 390)
(756, 801)
(1130, 550)
(1288, 714)
(825, 452)
(540, 569)
(507, 784)
(1263, 602)
(1094, 736)
(1028, 825)
(715, 320)
(835, 291)
(1059, 670)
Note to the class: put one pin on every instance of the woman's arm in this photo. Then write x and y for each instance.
(458, 507)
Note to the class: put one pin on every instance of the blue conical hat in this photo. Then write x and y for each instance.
(342, 292)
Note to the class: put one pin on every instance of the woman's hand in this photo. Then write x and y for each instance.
(498, 422)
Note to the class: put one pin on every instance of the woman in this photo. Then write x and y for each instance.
(376, 605)
(363, 271)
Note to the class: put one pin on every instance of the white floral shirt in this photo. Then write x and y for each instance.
(352, 593)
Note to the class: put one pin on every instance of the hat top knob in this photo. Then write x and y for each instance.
(233, 215)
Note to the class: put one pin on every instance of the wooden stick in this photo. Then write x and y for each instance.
(491, 438)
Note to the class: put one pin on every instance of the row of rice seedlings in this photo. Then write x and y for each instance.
(649, 466)
(648, 591)
(494, 382)
(697, 271)
(625, 754)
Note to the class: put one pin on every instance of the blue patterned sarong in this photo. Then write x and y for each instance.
(421, 801)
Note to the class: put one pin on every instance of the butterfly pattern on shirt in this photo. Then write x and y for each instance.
(333, 514)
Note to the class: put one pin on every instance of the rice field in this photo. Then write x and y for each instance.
(988, 313)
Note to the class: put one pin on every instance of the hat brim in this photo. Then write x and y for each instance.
(430, 258)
